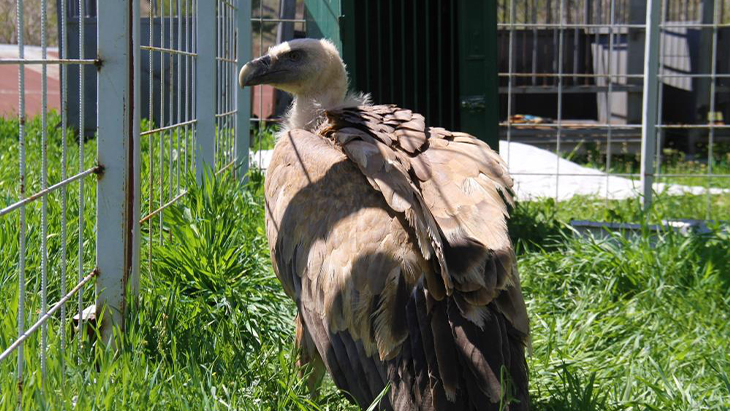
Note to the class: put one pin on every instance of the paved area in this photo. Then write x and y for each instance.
(534, 171)
(9, 82)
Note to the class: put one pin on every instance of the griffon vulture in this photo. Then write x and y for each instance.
(392, 240)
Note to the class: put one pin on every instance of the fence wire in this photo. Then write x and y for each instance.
(572, 78)
(227, 68)
(71, 187)
(272, 22)
(158, 156)
(169, 52)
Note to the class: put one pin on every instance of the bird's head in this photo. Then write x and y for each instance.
(306, 68)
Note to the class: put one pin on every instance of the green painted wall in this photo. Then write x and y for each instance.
(478, 83)
(478, 108)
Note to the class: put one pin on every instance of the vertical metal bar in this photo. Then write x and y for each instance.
(216, 27)
(231, 65)
(660, 99)
(161, 137)
(150, 144)
(560, 98)
(220, 96)
(636, 40)
(534, 43)
(117, 224)
(711, 118)
(223, 129)
(220, 20)
(44, 199)
(194, 80)
(218, 88)
(587, 19)
(226, 76)
(82, 122)
(178, 90)
(576, 34)
(510, 78)
(229, 83)
(64, 199)
(261, 88)
(173, 89)
(21, 234)
(186, 58)
(206, 86)
(649, 110)
(136, 150)
(233, 82)
(609, 99)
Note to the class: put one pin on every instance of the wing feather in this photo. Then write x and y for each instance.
(392, 240)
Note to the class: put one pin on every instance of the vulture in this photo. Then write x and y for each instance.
(391, 238)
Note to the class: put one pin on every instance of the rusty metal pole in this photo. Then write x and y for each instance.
(117, 242)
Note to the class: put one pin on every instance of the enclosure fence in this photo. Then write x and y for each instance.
(167, 108)
(611, 79)
(271, 24)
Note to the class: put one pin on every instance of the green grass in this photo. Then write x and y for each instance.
(672, 162)
(617, 324)
(629, 324)
(264, 137)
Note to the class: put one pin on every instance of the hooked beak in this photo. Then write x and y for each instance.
(255, 72)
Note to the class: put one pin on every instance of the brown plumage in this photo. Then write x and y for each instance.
(392, 240)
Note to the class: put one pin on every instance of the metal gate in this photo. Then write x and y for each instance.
(198, 120)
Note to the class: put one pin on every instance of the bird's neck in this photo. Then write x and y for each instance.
(308, 109)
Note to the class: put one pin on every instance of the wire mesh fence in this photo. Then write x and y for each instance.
(54, 203)
(635, 90)
(169, 59)
(78, 192)
(272, 22)
(575, 78)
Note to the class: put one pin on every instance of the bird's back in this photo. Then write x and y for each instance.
(392, 241)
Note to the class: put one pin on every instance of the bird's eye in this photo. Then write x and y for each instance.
(294, 56)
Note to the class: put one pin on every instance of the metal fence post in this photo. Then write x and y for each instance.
(649, 110)
(205, 79)
(243, 95)
(117, 241)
